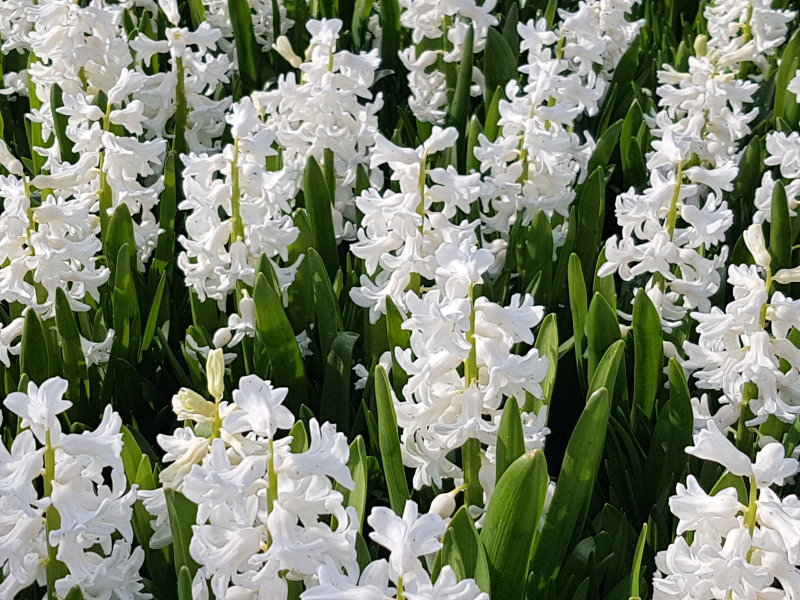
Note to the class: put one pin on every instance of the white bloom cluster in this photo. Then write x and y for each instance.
(328, 116)
(537, 160)
(736, 551)
(239, 210)
(461, 366)
(784, 152)
(671, 229)
(83, 520)
(748, 342)
(262, 508)
(408, 538)
(401, 233)
(190, 84)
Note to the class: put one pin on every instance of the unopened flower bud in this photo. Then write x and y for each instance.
(188, 405)
(700, 45)
(222, 337)
(443, 505)
(215, 373)
(283, 47)
(754, 240)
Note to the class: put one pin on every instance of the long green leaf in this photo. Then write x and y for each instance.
(573, 490)
(510, 439)
(248, 52)
(335, 399)
(319, 206)
(389, 443)
(72, 351)
(499, 65)
(648, 355)
(182, 515)
(510, 524)
(602, 330)
(275, 332)
(34, 361)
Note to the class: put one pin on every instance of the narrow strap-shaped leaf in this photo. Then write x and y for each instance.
(127, 323)
(326, 305)
(579, 309)
(248, 52)
(605, 147)
(357, 463)
(491, 128)
(591, 210)
(34, 357)
(168, 208)
(461, 106)
(510, 525)
(605, 375)
(648, 353)
(275, 332)
(510, 439)
(470, 548)
(335, 399)
(573, 490)
(399, 338)
(72, 351)
(319, 206)
(152, 318)
(185, 584)
(60, 121)
(602, 330)
(499, 65)
(547, 345)
(389, 443)
(780, 231)
(182, 515)
(119, 233)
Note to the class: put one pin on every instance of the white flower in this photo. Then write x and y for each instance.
(407, 538)
(260, 407)
(40, 406)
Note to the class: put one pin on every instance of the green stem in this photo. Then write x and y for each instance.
(400, 590)
(55, 569)
(672, 216)
(414, 284)
(181, 109)
(105, 190)
(238, 224)
(744, 437)
(471, 450)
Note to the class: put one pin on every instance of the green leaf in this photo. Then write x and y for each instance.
(461, 106)
(326, 305)
(398, 338)
(510, 439)
(499, 65)
(785, 101)
(648, 353)
(168, 209)
(275, 332)
(60, 126)
(197, 12)
(630, 127)
(127, 324)
(537, 257)
(74, 360)
(319, 206)
(357, 463)
(389, 443)
(471, 554)
(510, 524)
(335, 399)
(119, 233)
(780, 231)
(182, 515)
(605, 147)
(390, 34)
(152, 318)
(579, 310)
(185, 584)
(299, 437)
(605, 376)
(602, 330)
(547, 345)
(34, 356)
(590, 215)
(474, 130)
(573, 490)
(361, 14)
(74, 594)
(491, 128)
(248, 52)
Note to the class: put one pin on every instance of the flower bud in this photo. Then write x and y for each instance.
(284, 48)
(700, 45)
(215, 373)
(222, 337)
(754, 240)
(188, 405)
(443, 505)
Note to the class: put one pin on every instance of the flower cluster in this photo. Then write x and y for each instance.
(671, 229)
(83, 519)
